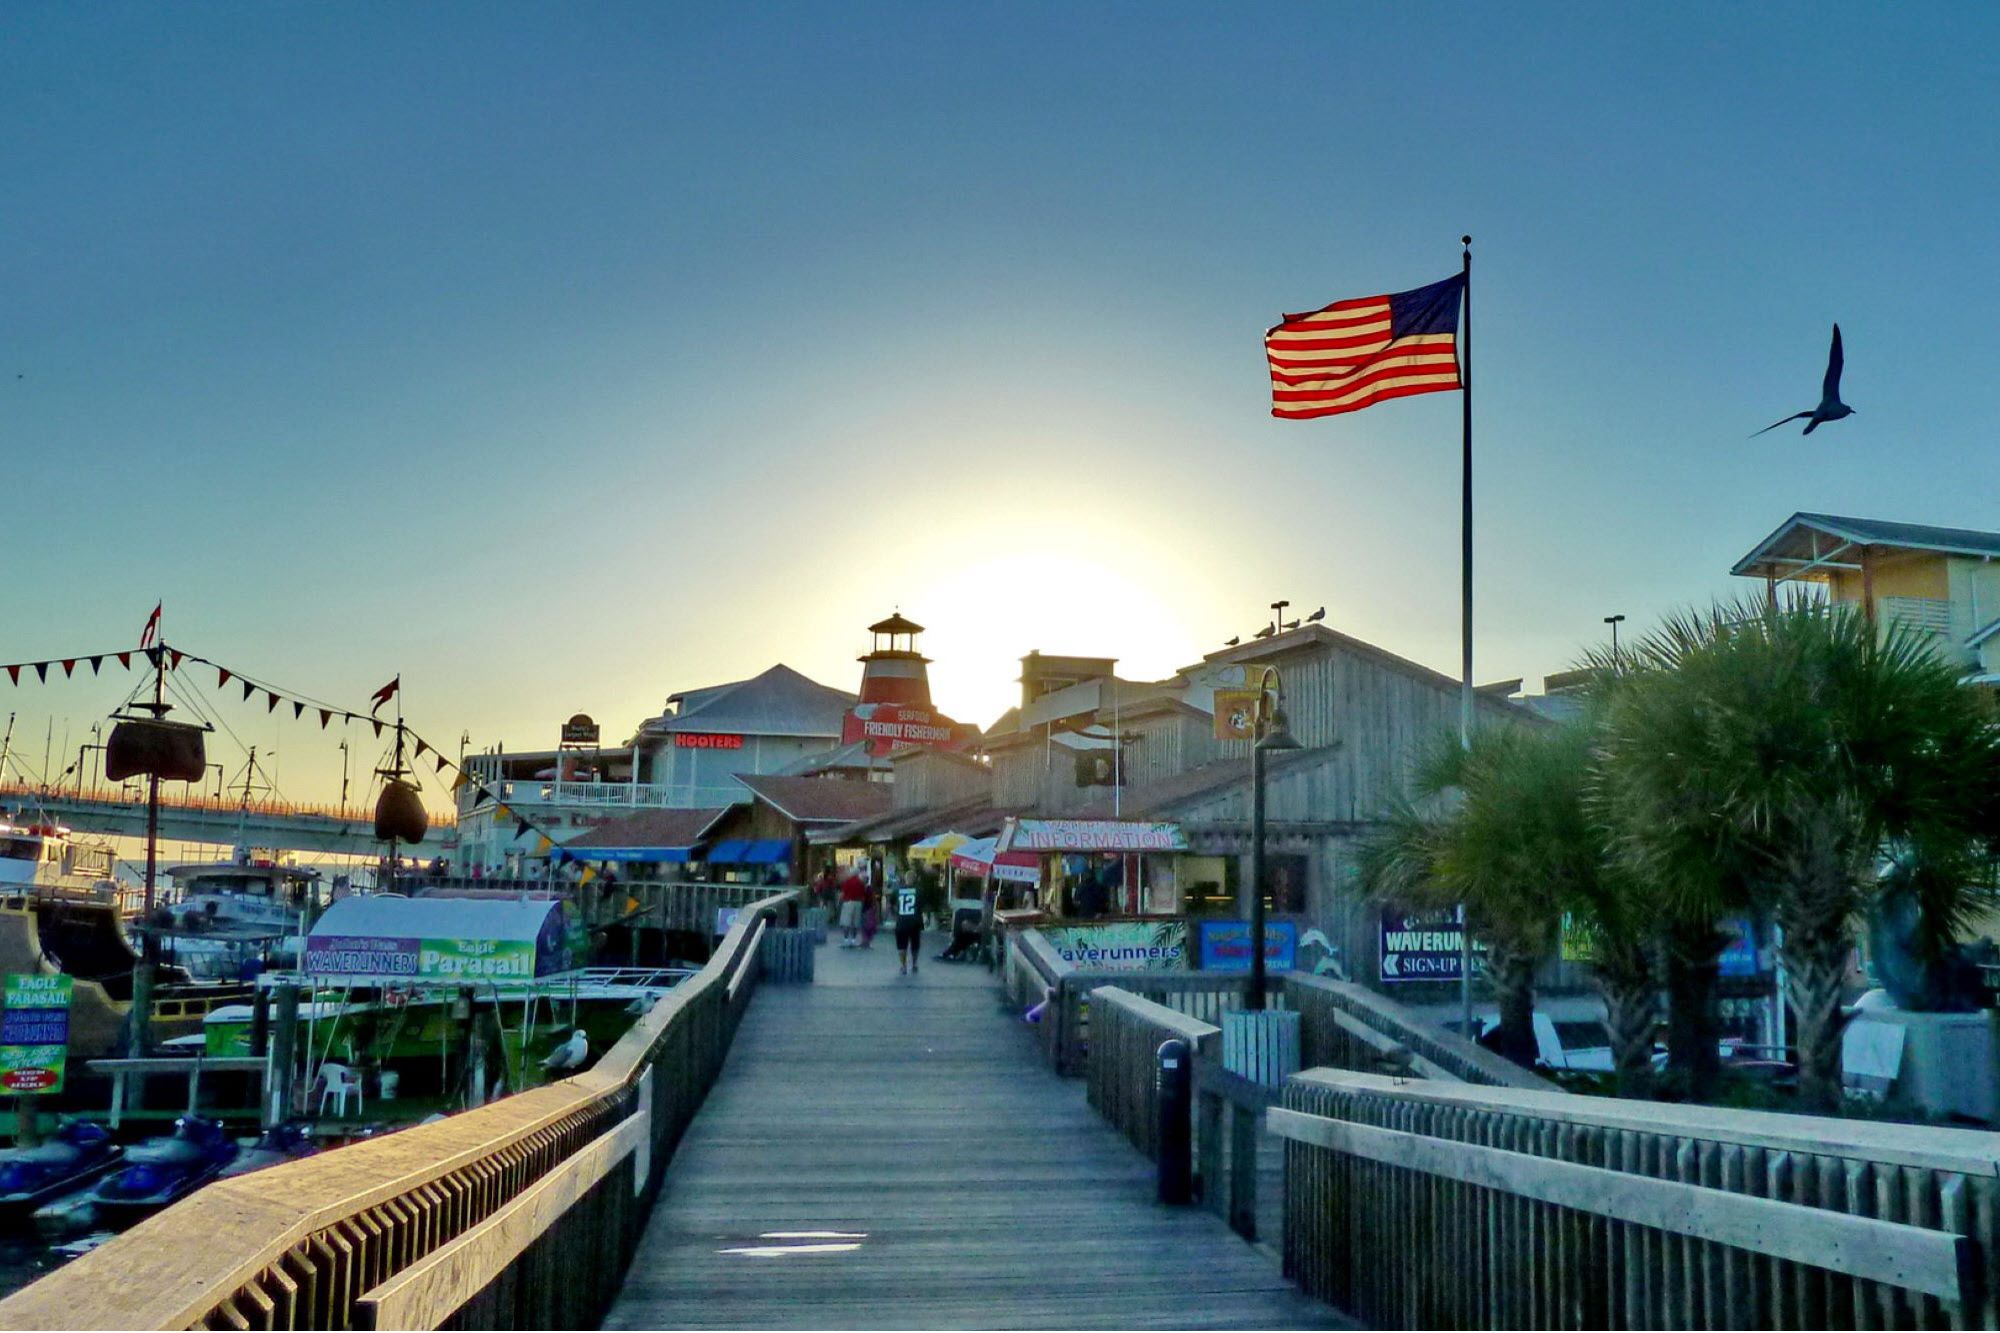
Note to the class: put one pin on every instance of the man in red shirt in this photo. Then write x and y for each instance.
(853, 892)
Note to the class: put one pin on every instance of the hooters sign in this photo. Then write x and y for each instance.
(888, 727)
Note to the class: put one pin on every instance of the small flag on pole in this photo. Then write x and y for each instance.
(151, 634)
(384, 694)
(1353, 354)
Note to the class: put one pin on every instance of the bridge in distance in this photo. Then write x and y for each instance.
(121, 812)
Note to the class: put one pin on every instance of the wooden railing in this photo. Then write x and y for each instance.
(1426, 1204)
(1346, 1026)
(520, 1214)
(1122, 1074)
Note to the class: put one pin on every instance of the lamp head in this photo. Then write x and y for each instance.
(1278, 733)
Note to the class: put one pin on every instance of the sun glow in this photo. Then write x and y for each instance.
(984, 616)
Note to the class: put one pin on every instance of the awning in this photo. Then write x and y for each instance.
(749, 852)
(977, 857)
(937, 847)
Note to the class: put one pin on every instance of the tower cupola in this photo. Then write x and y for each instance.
(893, 671)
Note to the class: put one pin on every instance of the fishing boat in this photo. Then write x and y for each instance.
(230, 918)
(79, 1153)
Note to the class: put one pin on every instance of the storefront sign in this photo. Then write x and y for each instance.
(1421, 946)
(421, 960)
(34, 1033)
(1225, 946)
(887, 726)
(1091, 835)
(579, 730)
(1136, 946)
(706, 740)
(360, 955)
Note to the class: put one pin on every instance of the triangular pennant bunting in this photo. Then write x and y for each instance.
(248, 690)
(125, 660)
(14, 674)
(69, 666)
(272, 706)
(95, 663)
(221, 677)
(325, 716)
(298, 710)
(176, 655)
(378, 724)
(441, 766)
(42, 671)
(521, 827)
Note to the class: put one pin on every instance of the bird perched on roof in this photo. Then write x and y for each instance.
(1266, 632)
(1316, 616)
(1830, 407)
(1233, 642)
(570, 1055)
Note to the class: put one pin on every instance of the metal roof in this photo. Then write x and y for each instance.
(650, 828)
(819, 800)
(1793, 543)
(392, 916)
(779, 702)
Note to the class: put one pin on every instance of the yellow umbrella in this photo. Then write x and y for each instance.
(938, 847)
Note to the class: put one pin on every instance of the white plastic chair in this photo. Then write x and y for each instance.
(339, 1081)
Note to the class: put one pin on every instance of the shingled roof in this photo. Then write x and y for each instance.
(819, 800)
(650, 828)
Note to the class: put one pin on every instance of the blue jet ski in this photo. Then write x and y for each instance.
(279, 1143)
(159, 1171)
(79, 1153)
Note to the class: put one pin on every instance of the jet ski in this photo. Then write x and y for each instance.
(159, 1171)
(79, 1153)
(280, 1143)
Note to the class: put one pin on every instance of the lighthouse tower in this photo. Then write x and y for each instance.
(894, 672)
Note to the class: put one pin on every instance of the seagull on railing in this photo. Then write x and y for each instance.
(1830, 407)
(570, 1055)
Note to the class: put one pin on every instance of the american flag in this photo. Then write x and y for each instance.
(1352, 354)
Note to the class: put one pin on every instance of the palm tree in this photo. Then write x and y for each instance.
(1472, 834)
(1773, 754)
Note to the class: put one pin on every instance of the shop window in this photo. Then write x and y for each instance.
(1208, 885)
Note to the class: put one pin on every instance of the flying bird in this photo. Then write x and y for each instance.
(570, 1055)
(1830, 407)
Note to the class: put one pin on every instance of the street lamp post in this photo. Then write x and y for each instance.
(1613, 621)
(1269, 733)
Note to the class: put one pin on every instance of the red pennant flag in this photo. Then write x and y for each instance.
(325, 716)
(177, 655)
(221, 677)
(95, 663)
(151, 633)
(125, 660)
(272, 706)
(42, 671)
(69, 666)
(382, 695)
(14, 673)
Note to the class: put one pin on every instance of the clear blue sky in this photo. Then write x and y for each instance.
(563, 356)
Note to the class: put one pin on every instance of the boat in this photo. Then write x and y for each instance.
(161, 1170)
(79, 1153)
(279, 1143)
(233, 917)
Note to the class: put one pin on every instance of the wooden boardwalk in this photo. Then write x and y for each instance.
(967, 1186)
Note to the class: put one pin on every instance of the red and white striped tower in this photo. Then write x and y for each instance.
(893, 672)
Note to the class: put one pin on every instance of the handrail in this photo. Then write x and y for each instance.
(314, 1236)
(1330, 1010)
(1126, 1032)
(1589, 1212)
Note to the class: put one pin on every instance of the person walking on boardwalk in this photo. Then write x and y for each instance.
(852, 891)
(909, 926)
(871, 916)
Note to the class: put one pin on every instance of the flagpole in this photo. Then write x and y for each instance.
(1465, 627)
(1465, 584)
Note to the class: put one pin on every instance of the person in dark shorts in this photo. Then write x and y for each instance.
(909, 926)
